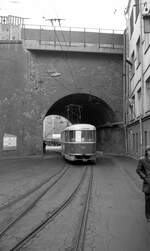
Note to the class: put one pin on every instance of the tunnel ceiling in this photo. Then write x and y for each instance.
(93, 110)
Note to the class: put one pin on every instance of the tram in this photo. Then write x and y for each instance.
(79, 142)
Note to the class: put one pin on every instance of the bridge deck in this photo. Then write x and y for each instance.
(43, 38)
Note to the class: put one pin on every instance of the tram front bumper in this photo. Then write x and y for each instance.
(84, 158)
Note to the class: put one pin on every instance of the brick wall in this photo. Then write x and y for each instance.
(28, 90)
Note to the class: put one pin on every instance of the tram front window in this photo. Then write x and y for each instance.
(80, 136)
(88, 136)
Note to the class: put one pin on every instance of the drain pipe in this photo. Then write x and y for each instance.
(142, 82)
(125, 93)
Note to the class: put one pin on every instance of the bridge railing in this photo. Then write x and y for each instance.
(72, 37)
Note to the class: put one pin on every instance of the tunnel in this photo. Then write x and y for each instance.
(83, 108)
(87, 108)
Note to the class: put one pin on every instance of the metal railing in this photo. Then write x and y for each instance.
(72, 36)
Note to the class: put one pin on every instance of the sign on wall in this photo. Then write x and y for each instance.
(9, 142)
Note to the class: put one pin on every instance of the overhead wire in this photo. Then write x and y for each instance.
(73, 66)
(65, 62)
(70, 65)
(76, 115)
(65, 57)
(59, 22)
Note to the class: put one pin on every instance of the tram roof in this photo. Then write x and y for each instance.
(80, 127)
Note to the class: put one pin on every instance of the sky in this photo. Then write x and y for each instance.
(104, 14)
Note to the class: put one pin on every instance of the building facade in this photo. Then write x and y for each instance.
(137, 78)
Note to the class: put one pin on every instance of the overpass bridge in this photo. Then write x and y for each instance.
(72, 39)
(44, 70)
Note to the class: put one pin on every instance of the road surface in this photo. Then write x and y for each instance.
(115, 219)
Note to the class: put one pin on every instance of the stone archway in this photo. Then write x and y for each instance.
(91, 110)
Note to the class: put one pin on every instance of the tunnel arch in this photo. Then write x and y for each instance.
(93, 109)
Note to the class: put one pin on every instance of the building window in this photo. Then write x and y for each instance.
(132, 107)
(147, 42)
(138, 52)
(136, 8)
(139, 101)
(148, 94)
(133, 142)
(137, 143)
(133, 64)
(131, 24)
(130, 141)
(145, 139)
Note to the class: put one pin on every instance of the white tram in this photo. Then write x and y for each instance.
(79, 142)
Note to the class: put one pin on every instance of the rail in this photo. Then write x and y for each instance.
(38, 193)
(50, 217)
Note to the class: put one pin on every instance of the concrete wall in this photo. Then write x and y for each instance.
(28, 90)
(13, 80)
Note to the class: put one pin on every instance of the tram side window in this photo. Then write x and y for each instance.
(66, 136)
(62, 136)
(72, 136)
(94, 135)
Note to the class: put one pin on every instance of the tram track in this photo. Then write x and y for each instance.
(80, 238)
(17, 215)
(78, 244)
(50, 217)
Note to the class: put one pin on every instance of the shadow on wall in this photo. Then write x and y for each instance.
(111, 140)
